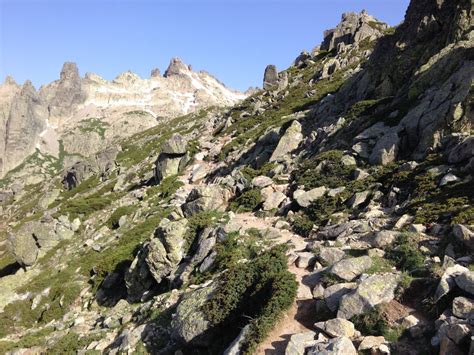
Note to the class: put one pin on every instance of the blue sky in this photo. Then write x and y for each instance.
(232, 39)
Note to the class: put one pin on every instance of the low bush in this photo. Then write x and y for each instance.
(326, 169)
(248, 201)
(405, 253)
(375, 323)
(302, 225)
(261, 290)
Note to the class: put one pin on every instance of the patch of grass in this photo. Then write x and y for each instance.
(379, 265)
(93, 124)
(72, 342)
(248, 201)
(375, 323)
(27, 341)
(405, 253)
(168, 186)
(113, 221)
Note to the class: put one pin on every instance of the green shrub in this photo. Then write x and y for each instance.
(247, 202)
(375, 323)
(302, 225)
(249, 173)
(113, 221)
(326, 169)
(405, 253)
(199, 221)
(261, 289)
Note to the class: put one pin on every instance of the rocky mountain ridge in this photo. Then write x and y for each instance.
(86, 114)
(330, 213)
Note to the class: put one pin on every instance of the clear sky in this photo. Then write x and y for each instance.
(232, 39)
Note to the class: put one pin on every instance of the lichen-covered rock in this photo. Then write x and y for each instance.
(371, 291)
(289, 142)
(349, 269)
(189, 323)
(305, 198)
(337, 327)
(206, 198)
(176, 145)
(167, 249)
(336, 346)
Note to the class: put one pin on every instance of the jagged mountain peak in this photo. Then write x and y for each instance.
(177, 67)
(9, 80)
(69, 71)
(353, 28)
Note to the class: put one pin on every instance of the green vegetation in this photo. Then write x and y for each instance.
(27, 341)
(137, 113)
(249, 173)
(302, 225)
(113, 221)
(248, 201)
(379, 265)
(361, 109)
(375, 323)
(325, 169)
(198, 222)
(261, 290)
(93, 124)
(167, 187)
(405, 253)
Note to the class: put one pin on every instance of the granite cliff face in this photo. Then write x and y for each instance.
(86, 114)
(331, 212)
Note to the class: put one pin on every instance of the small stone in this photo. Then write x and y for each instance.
(448, 179)
(371, 342)
(261, 181)
(305, 198)
(305, 259)
(463, 307)
(318, 291)
(417, 228)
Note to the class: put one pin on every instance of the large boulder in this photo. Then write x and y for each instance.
(189, 322)
(349, 269)
(462, 152)
(172, 159)
(206, 198)
(464, 235)
(386, 150)
(175, 145)
(289, 142)
(373, 290)
(306, 198)
(167, 250)
(100, 164)
(336, 346)
(34, 238)
(270, 77)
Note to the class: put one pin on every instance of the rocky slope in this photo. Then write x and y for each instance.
(330, 213)
(75, 116)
